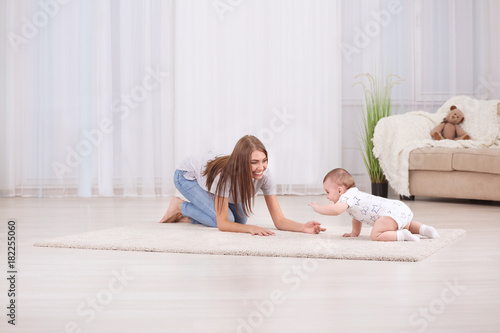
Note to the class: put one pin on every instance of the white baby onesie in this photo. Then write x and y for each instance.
(367, 208)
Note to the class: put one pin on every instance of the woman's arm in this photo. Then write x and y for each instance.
(331, 209)
(223, 223)
(282, 223)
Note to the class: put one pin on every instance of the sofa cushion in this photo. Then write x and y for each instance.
(434, 159)
(485, 160)
(458, 184)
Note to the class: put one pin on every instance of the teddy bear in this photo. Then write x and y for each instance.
(449, 128)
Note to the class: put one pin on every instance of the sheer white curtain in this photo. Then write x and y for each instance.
(105, 97)
(267, 68)
(440, 49)
(87, 105)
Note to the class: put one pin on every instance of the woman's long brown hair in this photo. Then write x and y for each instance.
(236, 170)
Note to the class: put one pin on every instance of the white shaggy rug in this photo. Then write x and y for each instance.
(198, 239)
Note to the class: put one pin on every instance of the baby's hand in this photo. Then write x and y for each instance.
(350, 234)
(314, 206)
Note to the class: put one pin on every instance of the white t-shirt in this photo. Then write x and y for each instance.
(195, 166)
(367, 208)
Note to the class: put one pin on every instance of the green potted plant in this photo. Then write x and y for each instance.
(377, 105)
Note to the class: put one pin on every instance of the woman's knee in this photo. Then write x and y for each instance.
(243, 219)
(231, 215)
(212, 223)
(209, 221)
(236, 214)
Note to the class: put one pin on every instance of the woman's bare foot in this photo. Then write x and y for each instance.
(185, 219)
(173, 213)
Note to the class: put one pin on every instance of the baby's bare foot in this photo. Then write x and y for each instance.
(173, 212)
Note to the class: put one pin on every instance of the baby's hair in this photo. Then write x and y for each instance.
(341, 177)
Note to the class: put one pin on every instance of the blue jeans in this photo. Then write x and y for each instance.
(201, 208)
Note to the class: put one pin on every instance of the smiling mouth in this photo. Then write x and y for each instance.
(258, 174)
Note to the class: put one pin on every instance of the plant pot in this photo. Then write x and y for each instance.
(380, 189)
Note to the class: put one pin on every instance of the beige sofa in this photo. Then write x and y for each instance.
(470, 173)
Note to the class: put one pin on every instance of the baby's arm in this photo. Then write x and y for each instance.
(331, 209)
(356, 229)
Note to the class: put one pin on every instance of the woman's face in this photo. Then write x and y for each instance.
(258, 163)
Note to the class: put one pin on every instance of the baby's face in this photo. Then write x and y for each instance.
(333, 191)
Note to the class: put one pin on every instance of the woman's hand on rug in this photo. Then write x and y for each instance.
(313, 227)
(255, 230)
(350, 234)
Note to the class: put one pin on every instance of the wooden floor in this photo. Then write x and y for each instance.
(61, 290)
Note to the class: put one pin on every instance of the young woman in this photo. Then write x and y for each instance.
(221, 191)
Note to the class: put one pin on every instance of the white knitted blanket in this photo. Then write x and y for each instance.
(396, 136)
